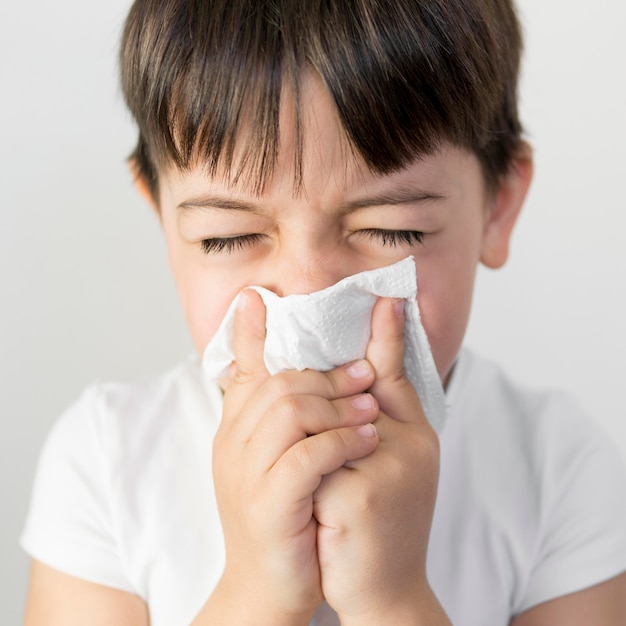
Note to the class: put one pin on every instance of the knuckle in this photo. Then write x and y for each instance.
(244, 374)
(334, 382)
(365, 498)
(287, 408)
(308, 453)
(302, 457)
(283, 384)
(338, 440)
(397, 377)
(336, 414)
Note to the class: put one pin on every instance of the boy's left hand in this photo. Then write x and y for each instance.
(375, 514)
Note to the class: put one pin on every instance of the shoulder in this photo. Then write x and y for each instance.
(116, 432)
(525, 441)
(177, 388)
(544, 474)
(130, 410)
(486, 400)
(101, 463)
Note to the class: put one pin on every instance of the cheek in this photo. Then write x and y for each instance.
(445, 281)
(204, 320)
(205, 292)
(204, 296)
(445, 323)
(204, 305)
(445, 298)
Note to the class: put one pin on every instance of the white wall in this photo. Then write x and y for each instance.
(556, 314)
(84, 289)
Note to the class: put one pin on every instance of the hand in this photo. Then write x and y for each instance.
(278, 437)
(374, 514)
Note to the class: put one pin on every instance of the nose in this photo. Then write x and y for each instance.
(304, 269)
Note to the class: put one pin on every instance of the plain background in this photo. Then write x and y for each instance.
(85, 293)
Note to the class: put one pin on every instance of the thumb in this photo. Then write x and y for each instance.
(393, 390)
(249, 340)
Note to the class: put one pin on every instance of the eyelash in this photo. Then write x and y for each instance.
(229, 244)
(395, 237)
(386, 237)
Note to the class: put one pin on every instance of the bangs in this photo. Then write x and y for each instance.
(204, 79)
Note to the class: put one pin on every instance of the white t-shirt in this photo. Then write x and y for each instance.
(531, 504)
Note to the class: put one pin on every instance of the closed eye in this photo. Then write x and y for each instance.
(215, 245)
(391, 238)
(394, 237)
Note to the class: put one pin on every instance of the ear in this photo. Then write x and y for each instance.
(142, 186)
(505, 208)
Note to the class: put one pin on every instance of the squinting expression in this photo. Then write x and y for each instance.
(222, 238)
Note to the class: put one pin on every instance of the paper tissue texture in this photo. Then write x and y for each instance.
(331, 327)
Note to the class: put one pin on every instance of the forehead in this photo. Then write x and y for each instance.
(312, 148)
(314, 156)
(333, 179)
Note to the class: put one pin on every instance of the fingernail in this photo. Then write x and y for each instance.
(398, 308)
(243, 301)
(368, 430)
(360, 369)
(364, 402)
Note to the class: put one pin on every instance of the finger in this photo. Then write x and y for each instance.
(248, 372)
(224, 381)
(386, 345)
(314, 457)
(249, 338)
(294, 418)
(343, 381)
(340, 382)
(385, 351)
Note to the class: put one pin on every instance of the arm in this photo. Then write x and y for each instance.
(57, 599)
(600, 605)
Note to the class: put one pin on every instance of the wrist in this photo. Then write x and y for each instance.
(419, 609)
(231, 604)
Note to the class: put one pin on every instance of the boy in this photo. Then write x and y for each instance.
(291, 145)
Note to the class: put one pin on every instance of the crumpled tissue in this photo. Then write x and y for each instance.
(327, 328)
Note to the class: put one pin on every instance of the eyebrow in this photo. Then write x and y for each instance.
(392, 198)
(216, 202)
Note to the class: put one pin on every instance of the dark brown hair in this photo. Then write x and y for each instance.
(405, 76)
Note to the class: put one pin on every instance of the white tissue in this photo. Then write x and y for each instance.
(331, 327)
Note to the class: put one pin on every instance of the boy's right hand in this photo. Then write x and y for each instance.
(278, 437)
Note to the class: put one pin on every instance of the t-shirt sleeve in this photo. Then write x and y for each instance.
(69, 525)
(583, 525)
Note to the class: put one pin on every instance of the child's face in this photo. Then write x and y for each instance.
(300, 243)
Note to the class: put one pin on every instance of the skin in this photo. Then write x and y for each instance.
(318, 495)
(311, 241)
